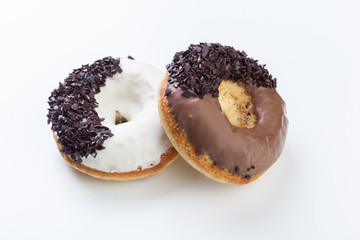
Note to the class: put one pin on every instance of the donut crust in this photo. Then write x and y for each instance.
(182, 144)
(165, 160)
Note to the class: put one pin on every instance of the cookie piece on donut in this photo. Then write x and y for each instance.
(222, 113)
(105, 120)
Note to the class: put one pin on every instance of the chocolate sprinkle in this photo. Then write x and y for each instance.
(72, 109)
(200, 69)
(167, 92)
(188, 94)
(130, 57)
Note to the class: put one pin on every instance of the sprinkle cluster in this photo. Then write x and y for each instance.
(200, 69)
(72, 109)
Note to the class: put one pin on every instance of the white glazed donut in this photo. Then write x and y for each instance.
(134, 149)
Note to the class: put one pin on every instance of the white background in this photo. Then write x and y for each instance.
(311, 192)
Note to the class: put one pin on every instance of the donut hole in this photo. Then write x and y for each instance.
(236, 103)
(119, 118)
(124, 97)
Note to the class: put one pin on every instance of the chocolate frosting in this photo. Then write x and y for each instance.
(242, 151)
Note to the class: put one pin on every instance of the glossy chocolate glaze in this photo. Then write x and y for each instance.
(242, 151)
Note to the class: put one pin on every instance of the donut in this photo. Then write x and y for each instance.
(222, 113)
(104, 118)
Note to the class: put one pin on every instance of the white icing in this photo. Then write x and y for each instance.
(140, 141)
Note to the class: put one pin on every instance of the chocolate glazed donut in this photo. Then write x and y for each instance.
(217, 147)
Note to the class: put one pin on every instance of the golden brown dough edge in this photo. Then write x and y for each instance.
(165, 160)
(181, 142)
